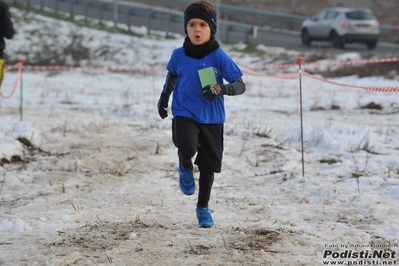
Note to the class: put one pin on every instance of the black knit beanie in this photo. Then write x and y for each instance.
(196, 11)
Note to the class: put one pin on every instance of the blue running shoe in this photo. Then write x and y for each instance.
(204, 217)
(186, 180)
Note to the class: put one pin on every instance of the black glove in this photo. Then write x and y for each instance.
(170, 83)
(211, 92)
(162, 105)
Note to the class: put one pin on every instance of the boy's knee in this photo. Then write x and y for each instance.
(187, 150)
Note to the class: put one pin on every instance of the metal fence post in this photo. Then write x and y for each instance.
(86, 9)
(148, 21)
(115, 16)
(128, 19)
(71, 8)
(100, 13)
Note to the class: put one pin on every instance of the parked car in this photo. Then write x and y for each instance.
(341, 26)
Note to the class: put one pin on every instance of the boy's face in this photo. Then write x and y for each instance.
(198, 31)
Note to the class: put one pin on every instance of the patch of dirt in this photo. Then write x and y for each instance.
(101, 235)
(372, 105)
(253, 240)
(30, 151)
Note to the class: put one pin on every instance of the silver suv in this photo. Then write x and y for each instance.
(341, 26)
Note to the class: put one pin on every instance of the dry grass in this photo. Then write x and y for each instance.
(387, 70)
(116, 170)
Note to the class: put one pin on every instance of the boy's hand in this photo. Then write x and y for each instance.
(211, 92)
(162, 105)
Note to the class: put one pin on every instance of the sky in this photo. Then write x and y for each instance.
(94, 179)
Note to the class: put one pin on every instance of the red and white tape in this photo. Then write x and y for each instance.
(19, 67)
(330, 63)
(245, 69)
(248, 68)
(281, 76)
(367, 88)
(91, 68)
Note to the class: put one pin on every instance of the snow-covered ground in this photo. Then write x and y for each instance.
(93, 180)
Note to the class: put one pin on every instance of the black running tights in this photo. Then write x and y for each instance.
(205, 186)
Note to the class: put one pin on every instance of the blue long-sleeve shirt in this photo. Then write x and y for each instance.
(187, 98)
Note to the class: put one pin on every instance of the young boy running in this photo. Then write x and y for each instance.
(198, 111)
